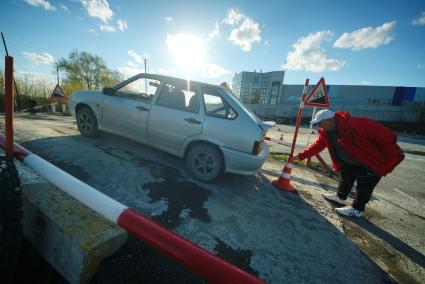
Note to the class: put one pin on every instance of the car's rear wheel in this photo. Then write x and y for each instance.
(205, 162)
(87, 122)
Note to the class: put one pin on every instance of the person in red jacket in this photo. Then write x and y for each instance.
(361, 149)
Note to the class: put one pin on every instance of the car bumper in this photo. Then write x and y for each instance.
(242, 163)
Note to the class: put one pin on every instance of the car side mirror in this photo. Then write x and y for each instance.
(108, 91)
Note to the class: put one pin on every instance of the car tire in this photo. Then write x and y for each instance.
(10, 219)
(205, 162)
(87, 122)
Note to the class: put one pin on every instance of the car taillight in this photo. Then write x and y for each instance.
(257, 148)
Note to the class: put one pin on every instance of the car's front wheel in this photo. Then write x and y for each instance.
(204, 162)
(87, 122)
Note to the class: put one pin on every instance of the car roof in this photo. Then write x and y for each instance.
(163, 77)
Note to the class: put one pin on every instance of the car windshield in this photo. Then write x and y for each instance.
(241, 105)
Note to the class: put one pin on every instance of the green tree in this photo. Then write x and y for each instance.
(86, 70)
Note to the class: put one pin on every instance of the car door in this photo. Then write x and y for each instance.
(175, 116)
(126, 111)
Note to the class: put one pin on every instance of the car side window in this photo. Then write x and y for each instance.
(179, 97)
(216, 106)
(142, 89)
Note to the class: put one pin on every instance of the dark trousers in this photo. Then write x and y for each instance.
(366, 182)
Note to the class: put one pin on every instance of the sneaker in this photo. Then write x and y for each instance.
(349, 211)
(334, 198)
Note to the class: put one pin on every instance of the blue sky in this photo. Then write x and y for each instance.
(347, 42)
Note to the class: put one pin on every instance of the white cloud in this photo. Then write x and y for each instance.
(420, 21)
(169, 20)
(364, 82)
(131, 64)
(246, 34)
(41, 3)
(36, 58)
(122, 25)
(93, 31)
(107, 28)
(138, 58)
(129, 70)
(233, 17)
(308, 55)
(64, 7)
(165, 71)
(369, 37)
(212, 70)
(216, 32)
(98, 9)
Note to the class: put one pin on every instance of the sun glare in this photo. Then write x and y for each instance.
(187, 50)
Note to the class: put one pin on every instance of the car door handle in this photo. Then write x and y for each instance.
(142, 108)
(192, 121)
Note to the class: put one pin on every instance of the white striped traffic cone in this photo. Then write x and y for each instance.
(284, 180)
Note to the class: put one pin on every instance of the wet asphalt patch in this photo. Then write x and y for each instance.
(180, 195)
(238, 257)
(74, 170)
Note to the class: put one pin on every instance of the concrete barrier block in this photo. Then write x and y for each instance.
(70, 236)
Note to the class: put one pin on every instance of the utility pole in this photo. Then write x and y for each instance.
(57, 73)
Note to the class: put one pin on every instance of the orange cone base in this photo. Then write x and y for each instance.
(283, 184)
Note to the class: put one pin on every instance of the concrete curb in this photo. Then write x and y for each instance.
(70, 236)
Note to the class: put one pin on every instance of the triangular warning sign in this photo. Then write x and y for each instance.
(318, 96)
(58, 95)
(58, 92)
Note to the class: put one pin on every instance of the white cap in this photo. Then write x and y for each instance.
(323, 115)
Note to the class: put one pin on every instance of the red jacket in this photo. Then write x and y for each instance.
(374, 145)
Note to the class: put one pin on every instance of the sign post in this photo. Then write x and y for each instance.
(58, 96)
(317, 97)
(284, 181)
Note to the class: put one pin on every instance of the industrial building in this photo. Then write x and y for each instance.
(267, 95)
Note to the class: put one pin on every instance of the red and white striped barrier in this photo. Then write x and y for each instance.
(191, 255)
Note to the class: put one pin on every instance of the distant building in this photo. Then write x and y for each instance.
(267, 96)
(258, 87)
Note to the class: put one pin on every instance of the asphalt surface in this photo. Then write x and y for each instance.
(276, 235)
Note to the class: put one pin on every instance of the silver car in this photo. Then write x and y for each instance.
(202, 123)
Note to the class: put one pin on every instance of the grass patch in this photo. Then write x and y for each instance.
(314, 165)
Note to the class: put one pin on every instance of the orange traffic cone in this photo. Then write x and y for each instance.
(284, 181)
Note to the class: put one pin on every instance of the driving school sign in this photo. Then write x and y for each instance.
(318, 96)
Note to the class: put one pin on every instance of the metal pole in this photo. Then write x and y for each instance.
(300, 112)
(4, 43)
(146, 87)
(311, 125)
(8, 105)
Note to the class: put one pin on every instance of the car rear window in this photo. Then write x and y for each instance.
(216, 105)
